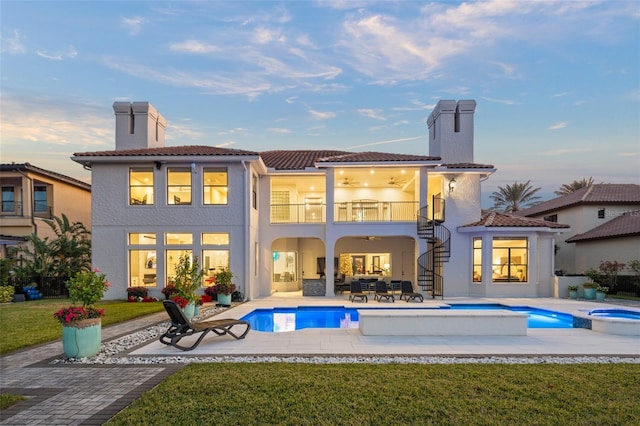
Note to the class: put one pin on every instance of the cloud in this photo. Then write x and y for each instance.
(384, 142)
(70, 53)
(193, 46)
(13, 45)
(558, 126)
(278, 130)
(628, 154)
(318, 115)
(372, 113)
(134, 24)
(565, 151)
(500, 101)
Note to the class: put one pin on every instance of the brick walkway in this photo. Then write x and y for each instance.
(75, 394)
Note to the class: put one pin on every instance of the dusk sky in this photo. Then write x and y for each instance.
(557, 83)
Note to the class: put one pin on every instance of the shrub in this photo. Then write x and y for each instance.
(169, 290)
(6, 293)
(140, 292)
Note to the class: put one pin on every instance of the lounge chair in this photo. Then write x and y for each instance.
(381, 291)
(356, 292)
(408, 293)
(182, 327)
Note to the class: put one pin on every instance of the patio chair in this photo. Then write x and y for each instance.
(181, 327)
(356, 292)
(381, 291)
(408, 293)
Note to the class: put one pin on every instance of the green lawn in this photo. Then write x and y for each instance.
(392, 394)
(30, 323)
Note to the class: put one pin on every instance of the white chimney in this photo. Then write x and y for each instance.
(451, 131)
(138, 126)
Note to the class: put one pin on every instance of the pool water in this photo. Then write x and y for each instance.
(298, 318)
(615, 313)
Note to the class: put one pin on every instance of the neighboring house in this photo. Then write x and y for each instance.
(275, 217)
(31, 195)
(605, 225)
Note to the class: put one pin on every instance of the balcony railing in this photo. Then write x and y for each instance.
(15, 209)
(349, 211)
(298, 213)
(375, 211)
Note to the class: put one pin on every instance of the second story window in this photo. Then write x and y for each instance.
(254, 191)
(215, 185)
(40, 199)
(179, 185)
(141, 186)
(8, 199)
(601, 214)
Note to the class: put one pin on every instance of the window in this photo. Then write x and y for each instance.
(215, 254)
(477, 260)
(40, 199)
(179, 185)
(280, 206)
(172, 259)
(216, 239)
(215, 186)
(551, 218)
(8, 199)
(142, 260)
(140, 186)
(178, 239)
(510, 259)
(601, 214)
(254, 191)
(285, 265)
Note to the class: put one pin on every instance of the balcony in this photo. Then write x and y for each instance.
(375, 211)
(11, 208)
(348, 211)
(16, 209)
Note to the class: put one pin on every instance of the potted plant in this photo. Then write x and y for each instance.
(601, 293)
(590, 287)
(168, 290)
(82, 325)
(187, 280)
(224, 287)
(573, 291)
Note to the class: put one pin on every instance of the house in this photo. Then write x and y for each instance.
(310, 219)
(605, 225)
(31, 195)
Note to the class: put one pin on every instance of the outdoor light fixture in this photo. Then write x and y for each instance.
(452, 185)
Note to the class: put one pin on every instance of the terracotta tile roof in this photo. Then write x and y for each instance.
(600, 194)
(625, 225)
(188, 150)
(375, 157)
(28, 167)
(295, 160)
(299, 160)
(468, 166)
(493, 219)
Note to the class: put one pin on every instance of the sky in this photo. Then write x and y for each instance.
(557, 83)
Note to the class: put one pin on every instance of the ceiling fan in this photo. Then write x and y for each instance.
(395, 181)
(348, 182)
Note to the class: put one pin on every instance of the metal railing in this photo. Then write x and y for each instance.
(375, 211)
(15, 208)
(348, 211)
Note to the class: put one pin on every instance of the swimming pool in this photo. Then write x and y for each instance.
(297, 318)
(615, 313)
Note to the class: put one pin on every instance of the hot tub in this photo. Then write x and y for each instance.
(623, 322)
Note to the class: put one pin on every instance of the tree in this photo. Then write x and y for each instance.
(515, 197)
(567, 189)
(64, 256)
(72, 247)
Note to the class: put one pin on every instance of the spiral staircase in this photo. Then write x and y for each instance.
(438, 238)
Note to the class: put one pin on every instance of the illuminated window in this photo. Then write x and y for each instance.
(142, 260)
(173, 258)
(510, 259)
(285, 265)
(141, 186)
(178, 239)
(216, 239)
(215, 186)
(477, 260)
(179, 185)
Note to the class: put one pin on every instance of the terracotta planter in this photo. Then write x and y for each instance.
(81, 339)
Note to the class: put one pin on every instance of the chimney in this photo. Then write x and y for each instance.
(451, 131)
(138, 126)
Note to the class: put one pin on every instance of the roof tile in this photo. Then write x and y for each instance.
(625, 225)
(167, 151)
(494, 219)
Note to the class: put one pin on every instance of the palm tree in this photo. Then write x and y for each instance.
(567, 189)
(515, 197)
